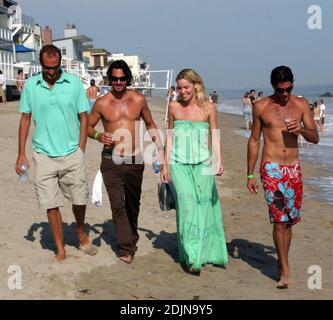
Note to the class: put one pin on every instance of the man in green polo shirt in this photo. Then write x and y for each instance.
(57, 104)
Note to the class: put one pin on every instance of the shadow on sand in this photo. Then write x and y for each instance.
(168, 242)
(256, 255)
(70, 239)
(165, 240)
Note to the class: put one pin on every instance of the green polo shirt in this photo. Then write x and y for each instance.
(55, 113)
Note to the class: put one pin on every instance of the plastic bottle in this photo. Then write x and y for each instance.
(156, 166)
(24, 177)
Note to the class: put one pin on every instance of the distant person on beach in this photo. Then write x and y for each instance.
(322, 114)
(122, 160)
(260, 96)
(188, 160)
(3, 88)
(316, 116)
(92, 93)
(253, 95)
(247, 110)
(281, 117)
(57, 104)
(172, 94)
(20, 80)
(214, 96)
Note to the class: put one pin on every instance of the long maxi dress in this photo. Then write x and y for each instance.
(200, 233)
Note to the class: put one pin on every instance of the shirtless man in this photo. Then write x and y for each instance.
(20, 80)
(122, 164)
(281, 117)
(92, 93)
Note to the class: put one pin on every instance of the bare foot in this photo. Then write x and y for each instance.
(285, 275)
(127, 259)
(193, 271)
(83, 238)
(60, 256)
(284, 282)
(88, 248)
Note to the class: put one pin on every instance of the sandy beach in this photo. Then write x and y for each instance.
(26, 241)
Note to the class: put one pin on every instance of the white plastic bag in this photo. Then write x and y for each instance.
(96, 195)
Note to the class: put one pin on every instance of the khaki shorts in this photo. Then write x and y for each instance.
(67, 173)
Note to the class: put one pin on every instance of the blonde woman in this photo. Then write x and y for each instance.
(194, 156)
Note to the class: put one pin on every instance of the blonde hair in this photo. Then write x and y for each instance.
(192, 76)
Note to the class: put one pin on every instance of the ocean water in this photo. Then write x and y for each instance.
(321, 154)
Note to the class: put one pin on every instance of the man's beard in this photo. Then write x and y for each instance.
(52, 79)
(119, 90)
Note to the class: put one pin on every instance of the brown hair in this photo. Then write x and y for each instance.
(50, 50)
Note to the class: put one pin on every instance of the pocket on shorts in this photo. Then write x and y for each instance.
(36, 157)
(78, 151)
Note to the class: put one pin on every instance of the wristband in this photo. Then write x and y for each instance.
(250, 176)
(97, 135)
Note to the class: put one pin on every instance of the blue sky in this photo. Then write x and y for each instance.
(232, 44)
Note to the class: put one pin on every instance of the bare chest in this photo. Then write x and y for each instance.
(276, 116)
(121, 111)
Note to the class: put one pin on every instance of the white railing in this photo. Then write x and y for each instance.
(24, 20)
(5, 34)
(8, 71)
(144, 82)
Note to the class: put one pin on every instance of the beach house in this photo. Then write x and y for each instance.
(141, 76)
(71, 46)
(6, 42)
(20, 41)
(96, 58)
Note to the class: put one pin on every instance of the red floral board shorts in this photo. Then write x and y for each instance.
(283, 188)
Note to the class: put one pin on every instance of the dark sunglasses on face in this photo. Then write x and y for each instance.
(56, 68)
(282, 90)
(116, 79)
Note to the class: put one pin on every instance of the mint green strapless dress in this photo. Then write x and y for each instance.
(200, 232)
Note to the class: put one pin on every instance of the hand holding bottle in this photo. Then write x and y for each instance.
(24, 177)
(22, 166)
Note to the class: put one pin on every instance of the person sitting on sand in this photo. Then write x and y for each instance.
(281, 117)
(192, 130)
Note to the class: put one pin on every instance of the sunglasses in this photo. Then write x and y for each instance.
(56, 68)
(116, 79)
(282, 90)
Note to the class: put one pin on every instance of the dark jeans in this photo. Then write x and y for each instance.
(123, 184)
